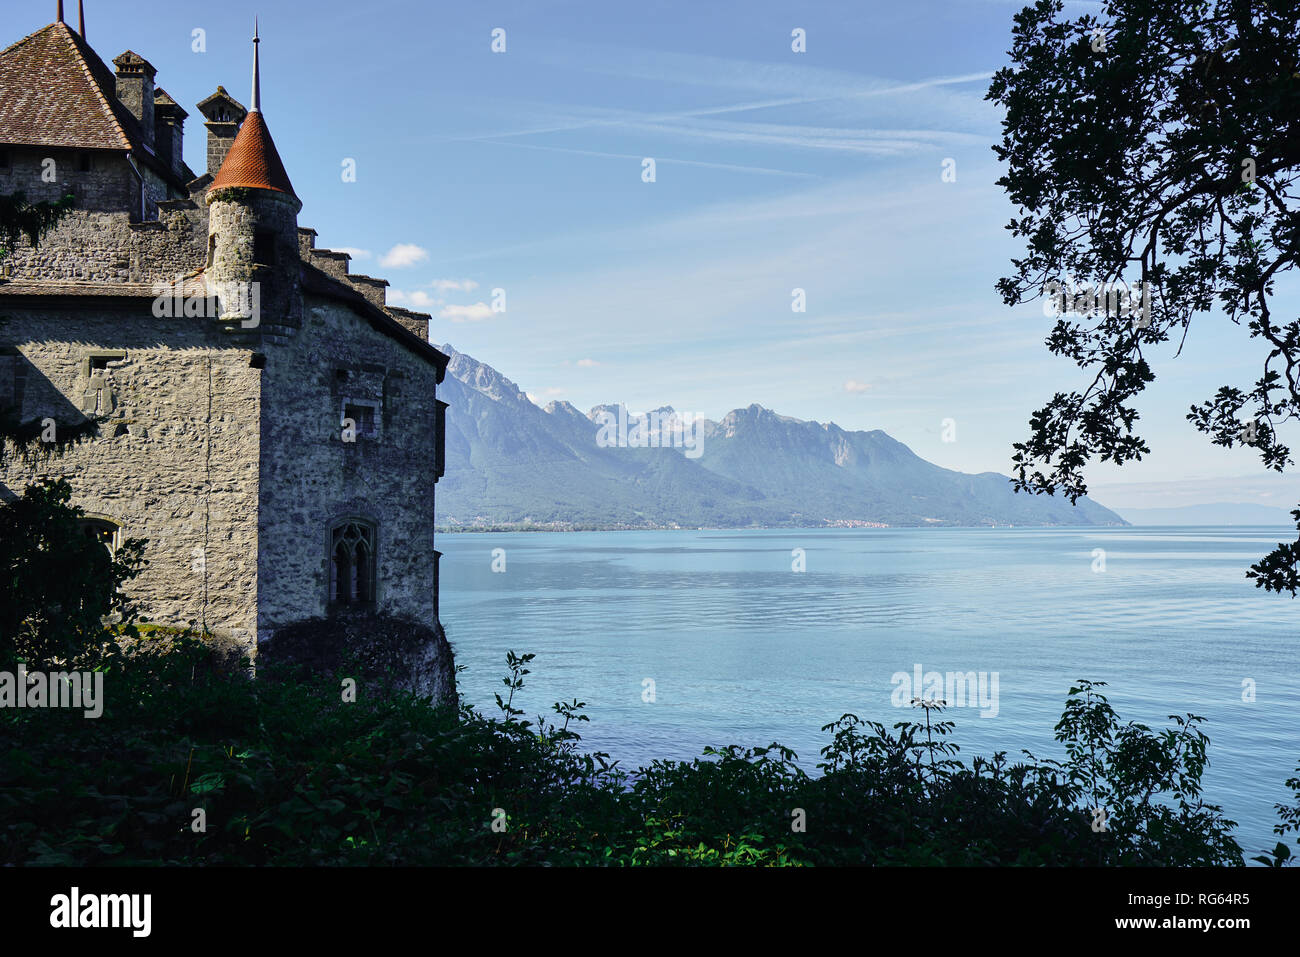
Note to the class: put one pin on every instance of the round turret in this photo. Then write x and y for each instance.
(253, 260)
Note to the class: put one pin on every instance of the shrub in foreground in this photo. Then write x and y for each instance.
(196, 764)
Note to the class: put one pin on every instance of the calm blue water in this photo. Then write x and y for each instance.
(743, 650)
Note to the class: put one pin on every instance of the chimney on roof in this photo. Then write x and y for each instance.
(169, 128)
(135, 89)
(223, 114)
(81, 19)
(60, 11)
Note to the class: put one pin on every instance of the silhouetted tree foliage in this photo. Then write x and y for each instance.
(57, 584)
(1163, 149)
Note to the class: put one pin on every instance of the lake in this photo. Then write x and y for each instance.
(743, 649)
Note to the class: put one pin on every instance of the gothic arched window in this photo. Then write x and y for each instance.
(105, 531)
(352, 563)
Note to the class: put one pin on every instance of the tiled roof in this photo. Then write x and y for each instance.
(161, 98)
(73, 289)
(57, 92)
(253, 161)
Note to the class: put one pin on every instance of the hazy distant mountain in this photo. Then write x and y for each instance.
(509, 461)
(1219, 513)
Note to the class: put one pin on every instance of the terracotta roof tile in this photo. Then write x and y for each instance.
(57, 92)
(253, 161)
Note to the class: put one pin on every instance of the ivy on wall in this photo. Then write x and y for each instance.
(21, 220)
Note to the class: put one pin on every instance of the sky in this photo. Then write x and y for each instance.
(524, 171)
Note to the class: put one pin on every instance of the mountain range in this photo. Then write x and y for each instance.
(1214, 513)
(511, 462)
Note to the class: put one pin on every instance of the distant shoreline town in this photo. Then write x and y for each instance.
(623, 527)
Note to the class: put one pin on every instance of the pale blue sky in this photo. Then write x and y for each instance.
(775, 170)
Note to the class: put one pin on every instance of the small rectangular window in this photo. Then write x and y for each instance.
(10, 397)
(84, 163)
(98, 361)
(107, 533)
(362, 418)
(4, 159)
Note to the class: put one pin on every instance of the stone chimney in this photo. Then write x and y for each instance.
(414, 322)
(135, 89)
(224, 114)
(169, 130)
(370, 287)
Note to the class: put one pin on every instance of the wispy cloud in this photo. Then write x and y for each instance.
(537, 399)
(868, 136)
(416, 298)
(475, 313)
(658, 159)
(403, 255)
(785, 84)
(354, 252)
(853, 385)
(454, 285)
(588, 363)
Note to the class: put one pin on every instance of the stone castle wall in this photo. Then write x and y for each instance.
(103, 239)
(204, 450)
(235, 218)
(177, 464)
(311, 477)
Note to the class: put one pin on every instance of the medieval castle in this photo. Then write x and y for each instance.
(267, 422)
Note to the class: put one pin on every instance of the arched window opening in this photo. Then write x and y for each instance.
(104, 531)
(352, 564)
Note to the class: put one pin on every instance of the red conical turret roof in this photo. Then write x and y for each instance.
(253, 161)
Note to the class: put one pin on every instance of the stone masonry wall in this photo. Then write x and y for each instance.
(232, 227)
(102, 239)
(176, 465)
(311, 478)
(109, 185)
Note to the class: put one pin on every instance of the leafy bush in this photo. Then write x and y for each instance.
(1281, 855)
(56, 584)
(287, 772)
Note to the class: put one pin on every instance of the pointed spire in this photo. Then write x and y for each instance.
(257, 78)
(81, 19)
(60, 11)
(253, 162)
